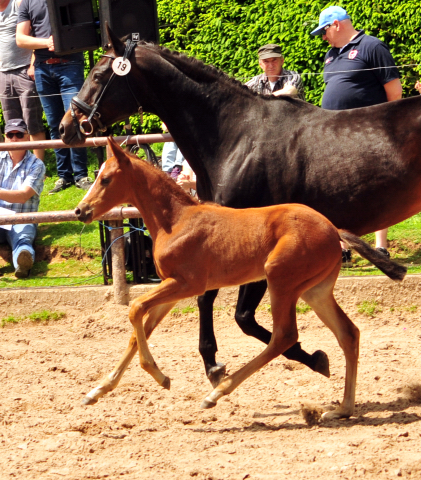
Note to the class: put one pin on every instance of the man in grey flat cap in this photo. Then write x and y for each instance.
(275, 80)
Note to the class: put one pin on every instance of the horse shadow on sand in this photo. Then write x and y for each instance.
(398, 416)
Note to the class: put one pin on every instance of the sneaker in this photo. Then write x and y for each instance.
(346, 258)
(384, 251)
(25, 262)
(60, 185)
(84, 183)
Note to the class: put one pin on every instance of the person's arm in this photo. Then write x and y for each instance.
(418, 86)
(31, 68)
(287, 90)
(17, 196)
(393, 90)
(25, 40)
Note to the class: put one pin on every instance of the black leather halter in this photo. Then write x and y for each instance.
(86, 127)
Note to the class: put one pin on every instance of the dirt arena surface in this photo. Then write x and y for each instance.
(140, 431)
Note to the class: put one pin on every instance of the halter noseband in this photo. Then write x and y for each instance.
(86, 127)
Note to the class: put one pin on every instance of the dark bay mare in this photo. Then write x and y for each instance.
(360, 168)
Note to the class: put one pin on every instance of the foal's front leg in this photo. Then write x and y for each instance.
(169, 291)
(111, 381)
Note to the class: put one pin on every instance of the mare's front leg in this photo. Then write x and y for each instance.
(249, 298)
(111, 381)
(215, 371)
(169, 291)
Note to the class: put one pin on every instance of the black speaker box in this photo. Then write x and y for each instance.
(129, 16)
(73, 25)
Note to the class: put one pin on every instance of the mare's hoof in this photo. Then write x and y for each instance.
(321, 363)
(166, 383)
(207, 404)
(216, 374)
(89, 401)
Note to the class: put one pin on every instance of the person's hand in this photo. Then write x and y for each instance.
(31, 72)
(418, 86)
(184, 181)
(50, 44)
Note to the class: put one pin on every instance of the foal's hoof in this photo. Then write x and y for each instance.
(337, 414)
(216, 374)
(166, 383)
(89, 401)
(321, 363)
(207, 404)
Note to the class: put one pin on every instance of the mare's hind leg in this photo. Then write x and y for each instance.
(111, 381)
(215, 371)
(321, 299)
(249, 298)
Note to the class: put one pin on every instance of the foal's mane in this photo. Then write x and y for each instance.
(165, 181)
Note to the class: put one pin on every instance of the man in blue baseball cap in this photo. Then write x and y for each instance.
(359, 71)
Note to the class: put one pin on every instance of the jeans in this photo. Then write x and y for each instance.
(20, 237)
(56, 85)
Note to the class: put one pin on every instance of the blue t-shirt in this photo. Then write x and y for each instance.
(36, 11)
(349, 83)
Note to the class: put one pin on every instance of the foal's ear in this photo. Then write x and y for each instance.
(116, 44)
(117, 151)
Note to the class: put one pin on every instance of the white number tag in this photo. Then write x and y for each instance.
(121, 67)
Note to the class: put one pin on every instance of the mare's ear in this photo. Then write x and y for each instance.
(119, 154)
(116, 44)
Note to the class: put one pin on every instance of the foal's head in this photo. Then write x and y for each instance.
(112, 186)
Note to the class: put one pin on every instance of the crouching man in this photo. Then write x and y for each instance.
(21, 183)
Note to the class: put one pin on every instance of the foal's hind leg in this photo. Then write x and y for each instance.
(111, 381)
(284, 335)
(321, 299)
(249, 298)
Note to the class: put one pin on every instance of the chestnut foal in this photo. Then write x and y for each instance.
(199, 247)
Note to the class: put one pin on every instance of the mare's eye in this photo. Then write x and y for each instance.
(105, 181)
(97, 77)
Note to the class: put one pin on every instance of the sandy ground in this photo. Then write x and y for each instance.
(140, 431)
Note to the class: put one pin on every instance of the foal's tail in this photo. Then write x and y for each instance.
(392, 269)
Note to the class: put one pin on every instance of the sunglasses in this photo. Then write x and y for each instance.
(326, 27)
(15, 134)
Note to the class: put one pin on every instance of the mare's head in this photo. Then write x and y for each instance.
(111, 187)
(107, 96)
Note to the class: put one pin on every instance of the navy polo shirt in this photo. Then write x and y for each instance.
(349, 83)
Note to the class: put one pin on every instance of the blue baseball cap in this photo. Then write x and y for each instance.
(328, 16)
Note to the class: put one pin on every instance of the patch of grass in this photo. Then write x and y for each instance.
(302, 308)
(43, 316)
(412, 308)
(46, 316)
(369, 308)
(189, 309)
(10, 319)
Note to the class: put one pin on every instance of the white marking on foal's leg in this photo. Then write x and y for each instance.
(107, 384)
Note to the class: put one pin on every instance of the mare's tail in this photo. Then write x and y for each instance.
(392, 269)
